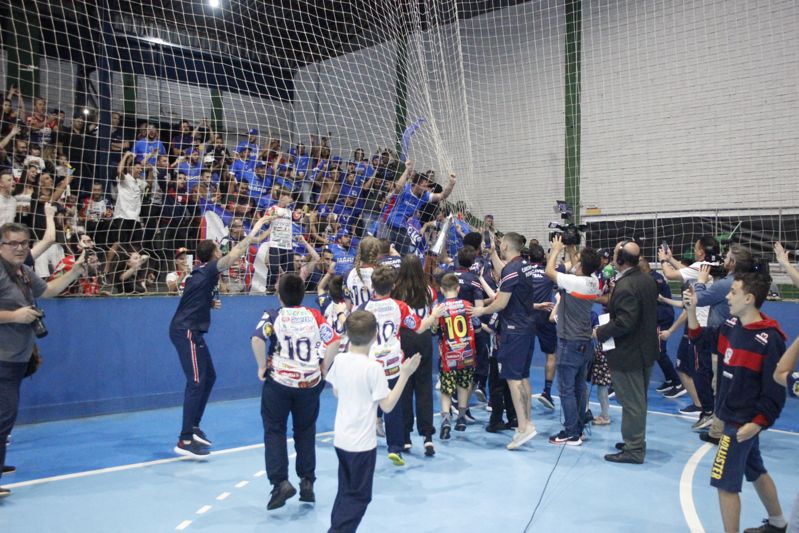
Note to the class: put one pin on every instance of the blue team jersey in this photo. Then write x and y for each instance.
(470, 287)
(239, 167)
(252, 146)
(344, 259)
(394, 261)
(543, 287)
(259, 188)
(199, 291)
(191, 171)
(665, 311)
(405, 206)
(517, 279)
(144, 147)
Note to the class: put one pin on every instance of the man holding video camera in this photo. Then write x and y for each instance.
(20, 322)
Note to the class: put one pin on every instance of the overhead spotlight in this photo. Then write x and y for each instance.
(86, 111)
(213, 3)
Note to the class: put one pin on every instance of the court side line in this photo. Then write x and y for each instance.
(687, 489)
(133, 466)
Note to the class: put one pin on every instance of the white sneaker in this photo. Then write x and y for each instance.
(520, 438)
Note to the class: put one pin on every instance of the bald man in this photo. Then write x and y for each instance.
(633, 326)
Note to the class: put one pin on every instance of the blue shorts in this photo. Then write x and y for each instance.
(547, 335)
(736, 460)
(686, 357)
(515, 355)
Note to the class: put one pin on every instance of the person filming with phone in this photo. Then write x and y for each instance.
(21, 322)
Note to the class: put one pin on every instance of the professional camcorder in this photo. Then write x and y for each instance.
(568, 230)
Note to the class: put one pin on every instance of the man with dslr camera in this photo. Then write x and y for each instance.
(20, 322)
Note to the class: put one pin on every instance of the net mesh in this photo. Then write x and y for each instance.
(662, 121)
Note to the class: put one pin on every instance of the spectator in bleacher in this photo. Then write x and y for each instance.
(176, 279)
(8, 204)
(190, 165)
(130, 273)
(251, 142)
(281, 237)
(38, 117)
(96, 213)
(220, 152)
(150, 146)
(235, 279)
(348, 213)
(260, 183)
(10, 116)
(322, 225)
(352, 182)
(183, 140)
(239, 201)
(376, 190)
(243, 163)
(119, 144)
(343, 253)
(125, 228)
(328, 186)
(79, 149)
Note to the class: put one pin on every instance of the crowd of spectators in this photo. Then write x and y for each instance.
(141, 207)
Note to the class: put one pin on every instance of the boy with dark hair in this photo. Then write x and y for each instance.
(393, 315)
(749, 345)
(457, 353)
(360, 385)
(293, 347)
(471, 291)
(189, 324)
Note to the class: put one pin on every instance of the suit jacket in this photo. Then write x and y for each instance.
(633, 322)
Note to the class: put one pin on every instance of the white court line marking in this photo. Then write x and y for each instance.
(260, 473)
(327, 439)
(223, 496)
(204, 509)
(687, 489)
(183, 525)
(241, 484)
(133, 466)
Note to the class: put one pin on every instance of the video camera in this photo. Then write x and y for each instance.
(569, 231)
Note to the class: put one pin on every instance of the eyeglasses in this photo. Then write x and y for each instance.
(16, 244)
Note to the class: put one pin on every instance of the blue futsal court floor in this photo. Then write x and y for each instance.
(118, 474)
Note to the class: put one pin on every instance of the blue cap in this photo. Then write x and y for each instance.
(244, 147)
(342, 233)
(253, 131)
(335, 159)
(353, 193)
(323, 209)
(260, 164)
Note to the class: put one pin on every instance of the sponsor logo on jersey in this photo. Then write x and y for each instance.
(762, 338)
(727, 356)
(731, 321)
(267, 329)
(326, 334)
(410, 322)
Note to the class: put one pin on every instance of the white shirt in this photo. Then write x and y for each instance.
(359, 288)
(360, 384)
(690, 275)
(46, 263)
(130, 192)
(8, 209)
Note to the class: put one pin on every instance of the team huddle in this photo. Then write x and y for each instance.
(372, 335)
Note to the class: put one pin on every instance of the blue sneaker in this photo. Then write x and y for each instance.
(193, 449)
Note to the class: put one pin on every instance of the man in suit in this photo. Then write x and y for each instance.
(633, 326)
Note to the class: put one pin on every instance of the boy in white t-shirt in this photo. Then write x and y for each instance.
(360, 385)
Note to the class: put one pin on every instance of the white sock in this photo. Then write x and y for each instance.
(777, 521)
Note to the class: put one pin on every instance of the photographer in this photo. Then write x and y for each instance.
(20, 321)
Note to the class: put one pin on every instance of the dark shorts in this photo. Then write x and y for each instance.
(736, 460)
(125, 231)
(686, 357)
(547, 335)
(515, 355)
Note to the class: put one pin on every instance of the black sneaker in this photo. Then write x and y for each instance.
(766, 527)
(497, 427)
(663, 387)
(546, 399)
(704, 422)
(200, 436)
(408, 445)
(306, 491)
(8, 469)
(691, 411)
(513, 423)
(280, 493)
(675, 392)
(611, 392)
(4, 492)
(707, 438)
(193, 449)
(445, 431)
(561, 438)
(429, 450)
(460, 425)
(467, 415)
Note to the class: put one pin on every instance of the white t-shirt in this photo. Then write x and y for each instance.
(360, 385)
(690, 275)
(46, 263)
(8, 209)
(359, 288)
(281, 232)
(130, 192)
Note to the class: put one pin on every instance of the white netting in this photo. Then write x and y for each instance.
(687, 118)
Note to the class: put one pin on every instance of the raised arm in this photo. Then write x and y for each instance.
(242, 246)
(49, 232)
(785, 262)
(787, 363)
(398, 186)
(443, 195)
(60, 284)
(671, 267)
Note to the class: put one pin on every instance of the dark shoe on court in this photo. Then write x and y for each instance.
(445, 431)
(704, 422)
(546, 399)
(193, 449)
(280, 493)
(561, 439)
(691, 411)
(429, 450)
(611, 392)
(663, 387)
(675, 392)
(496, 428)
(408, 445)
(306, 491)
(8, 469)
(200, 436)
(514, 423)
(623, 457)
(460, 425)
(707, 438)
(619, 446)
(766, 527)
(468, 416)
(4, 492)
